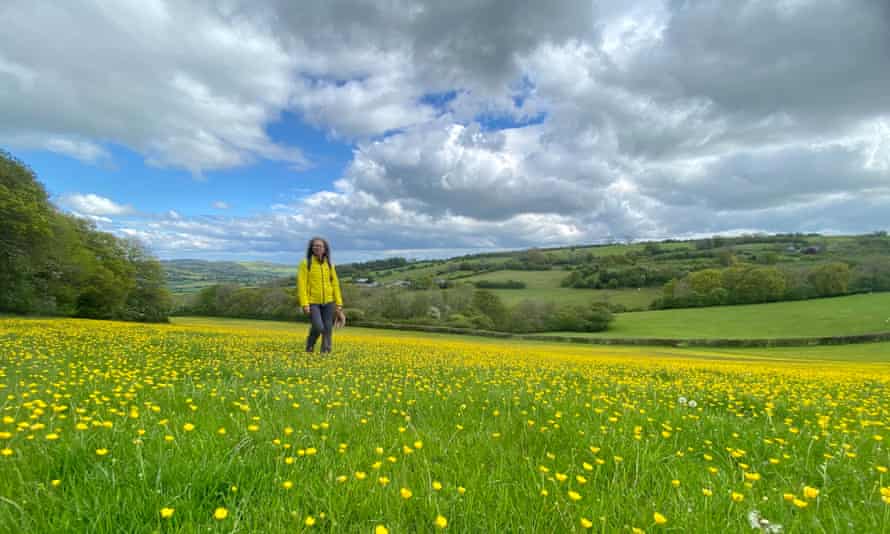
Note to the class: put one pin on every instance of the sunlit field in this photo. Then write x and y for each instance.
(113, 427)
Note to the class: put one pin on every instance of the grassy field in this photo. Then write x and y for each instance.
(631, 298)
(856, 314)
(225, 426)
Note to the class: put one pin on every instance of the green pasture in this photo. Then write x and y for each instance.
(855, 314)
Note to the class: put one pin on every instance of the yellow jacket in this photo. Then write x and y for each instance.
(318, 285)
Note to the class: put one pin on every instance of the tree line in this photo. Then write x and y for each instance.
(53, 263)
(751, 284)
(460, 307)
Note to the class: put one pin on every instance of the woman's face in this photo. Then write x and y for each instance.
(318, 248)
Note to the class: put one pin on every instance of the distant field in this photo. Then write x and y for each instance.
(630, 298)
(856, 314)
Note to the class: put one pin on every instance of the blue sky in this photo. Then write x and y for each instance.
(428, 129)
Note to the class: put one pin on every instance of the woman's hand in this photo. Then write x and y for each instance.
(306, 310)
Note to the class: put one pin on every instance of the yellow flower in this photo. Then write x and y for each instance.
(380, 529)
(461, 490)
(574, 495)
(706, 492)
(6, 451)
(675, 483)
(788, 496)
(361, 475)
(437, 485)
(52, 436)
(220, 513)
(586, 523)
(188, 427)
(221, 431)
(810, 492)
(56, 483)
(659, 519)
(587, 466)
(101, 452)
(383, 481)
(561, 477)
(800, 503)
(287, 484)
(167, 513)
(440, 521)
(405, 493)
(342, 478)
(309, 521)
(737, 497)
(752, 476)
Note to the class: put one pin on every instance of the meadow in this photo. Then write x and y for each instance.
(836, 316)
(226, 426)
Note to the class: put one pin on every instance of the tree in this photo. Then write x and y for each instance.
(830, 279)
(490, 305)
(26, 215)
(705, 281)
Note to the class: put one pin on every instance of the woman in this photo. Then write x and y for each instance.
(319, 291)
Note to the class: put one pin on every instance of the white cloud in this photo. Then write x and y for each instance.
(647, 119)
(221, 205)
(90, 204)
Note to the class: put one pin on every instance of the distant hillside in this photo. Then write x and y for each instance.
(189, 276)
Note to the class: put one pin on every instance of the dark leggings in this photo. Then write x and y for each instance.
(322, 316)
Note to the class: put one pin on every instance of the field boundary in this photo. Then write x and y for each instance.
(660, 342)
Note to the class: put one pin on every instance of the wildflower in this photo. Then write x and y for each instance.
(309, 521)
(800, 503)
(574, 495)
(383, 481)
(737, 497)
(405, 493)
(440, 521)
(188, 427)
(675, 483)
(437, 485)
(101, 452)
(52, 436)
(220, 513)
(167, 513)
(810, 492)
(55, 483)
(287, 484)
(361, 475)
(586, 523)
(659, 519)
(461, 490)
(707, 492)
(342, 478)
(380, 529)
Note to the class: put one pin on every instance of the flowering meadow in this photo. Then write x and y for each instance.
(113, 427)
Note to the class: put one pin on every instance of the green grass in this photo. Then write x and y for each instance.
(856, 314)
(630, 298)
(522, 437)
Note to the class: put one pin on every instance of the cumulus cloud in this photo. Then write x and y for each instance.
(90, 204)
(478, 124)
